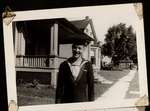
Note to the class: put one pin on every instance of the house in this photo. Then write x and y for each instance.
(41, 45)
(86, 25)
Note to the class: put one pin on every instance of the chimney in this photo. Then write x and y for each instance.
(87, 18)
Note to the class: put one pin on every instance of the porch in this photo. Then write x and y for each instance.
(40, 46)
(38, 61)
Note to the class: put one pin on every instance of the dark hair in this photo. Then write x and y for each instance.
(84, 43)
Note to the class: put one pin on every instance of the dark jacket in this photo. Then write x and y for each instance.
(70, 90)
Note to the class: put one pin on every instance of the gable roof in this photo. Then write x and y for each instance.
(67, 32)
(75, 35)
(82, 24)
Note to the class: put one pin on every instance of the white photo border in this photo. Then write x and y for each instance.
(62, 13)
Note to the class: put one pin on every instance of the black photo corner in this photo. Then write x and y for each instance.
(23, 5)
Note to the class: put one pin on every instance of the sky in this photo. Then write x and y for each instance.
(103, 16)
(106, 16)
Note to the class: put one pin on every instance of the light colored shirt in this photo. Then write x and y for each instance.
(75, 67)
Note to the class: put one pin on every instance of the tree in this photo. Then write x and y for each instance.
(120, 43)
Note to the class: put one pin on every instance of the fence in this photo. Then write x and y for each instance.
(38, 60)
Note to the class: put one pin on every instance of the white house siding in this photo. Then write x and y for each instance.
(65, 50)
(96, 50)
(88, 31)
(96, 53)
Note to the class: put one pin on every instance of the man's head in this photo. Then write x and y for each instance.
(78, 49)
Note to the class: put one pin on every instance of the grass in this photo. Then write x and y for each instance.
(109, 75)
(134, 86)
(44, 94)
(113, 75)
(100, 89)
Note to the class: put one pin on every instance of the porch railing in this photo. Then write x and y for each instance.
(37, 60)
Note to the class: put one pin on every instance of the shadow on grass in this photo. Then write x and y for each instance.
(45, 94)
(133, 91)
(113, 75)
(100, 89)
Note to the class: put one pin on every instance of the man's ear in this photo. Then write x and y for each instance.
(84, 47)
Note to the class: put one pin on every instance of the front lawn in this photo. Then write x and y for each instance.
(45, 94)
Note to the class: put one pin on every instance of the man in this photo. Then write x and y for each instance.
(75, 81)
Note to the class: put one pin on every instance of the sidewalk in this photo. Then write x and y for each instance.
(119, 89)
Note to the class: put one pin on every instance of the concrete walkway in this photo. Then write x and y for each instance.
(119, 89)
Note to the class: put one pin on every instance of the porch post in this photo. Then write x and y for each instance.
(54, 40)
(54, 51)
(19, 44)
(99, 52)
(96, 58)
(89, 52)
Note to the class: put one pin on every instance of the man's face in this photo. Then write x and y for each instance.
(77, 50)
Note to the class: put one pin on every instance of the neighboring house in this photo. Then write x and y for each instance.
(86, 25)
(106, 60)
(40, 46)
